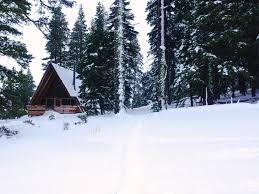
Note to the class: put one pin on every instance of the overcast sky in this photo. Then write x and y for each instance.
(36, 43)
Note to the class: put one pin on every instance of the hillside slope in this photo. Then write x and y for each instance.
(204, 150)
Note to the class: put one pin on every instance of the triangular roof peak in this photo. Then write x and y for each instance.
(66, 76)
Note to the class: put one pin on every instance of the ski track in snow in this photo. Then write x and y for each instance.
(131, 177)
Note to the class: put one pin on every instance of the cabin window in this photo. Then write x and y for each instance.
(58, 103)
(73, 102)
(66, 101)
(50, 102)
(43, 102)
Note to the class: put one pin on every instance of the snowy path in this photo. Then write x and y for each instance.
(131, 177)
(186, 151)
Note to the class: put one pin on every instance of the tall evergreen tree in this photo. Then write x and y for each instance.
(187, 79)
(12, 13)
(127, 52)
(28, 86)
(143, 91)
(97, 65)
(15, 92)
(227, 53)
(162, 46)
(218, 52)
(77, 44)
(136, 85)
(57, 38)
(248, 31)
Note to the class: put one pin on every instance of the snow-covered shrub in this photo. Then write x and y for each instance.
(78, 123)
(83, 117)
(4, 131)
(66, 126)
(52, 117)
(28, 122)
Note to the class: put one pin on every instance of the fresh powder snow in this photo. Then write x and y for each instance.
(204, 150)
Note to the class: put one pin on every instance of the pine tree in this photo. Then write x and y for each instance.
(27, 86)
(16, 90)
(57, 38)
(43, 8)
(187, 80)
(247, 48)
(231, 50)
(97, 65)
(136, 86)
(127, 51)
(11, 14)
(216, 51)
(162, 48)
(143, 90)
(77, 44)
(18, 12)
(208, 59)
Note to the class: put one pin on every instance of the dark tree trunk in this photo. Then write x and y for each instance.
(191, 95)
(191, 98)
(216, 86)
(253, 60)
(242, 83)
(233, 89)
(253, 86)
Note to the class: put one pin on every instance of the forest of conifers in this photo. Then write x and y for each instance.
(200, 51)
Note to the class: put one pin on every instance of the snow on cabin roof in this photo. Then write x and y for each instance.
(66, 77)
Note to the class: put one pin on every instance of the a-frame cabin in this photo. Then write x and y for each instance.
(56, 92)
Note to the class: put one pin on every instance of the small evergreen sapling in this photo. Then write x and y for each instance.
(52, 117)
(83, 117)
(28, 122)
(4, 131)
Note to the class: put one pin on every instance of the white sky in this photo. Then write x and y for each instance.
(36, 43)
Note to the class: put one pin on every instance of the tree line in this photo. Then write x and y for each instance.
(211, 50)
(200, 51)
(106, 54)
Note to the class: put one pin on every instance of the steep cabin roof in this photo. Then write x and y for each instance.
(57, 81)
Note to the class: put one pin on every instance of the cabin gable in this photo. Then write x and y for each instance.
(52, 94)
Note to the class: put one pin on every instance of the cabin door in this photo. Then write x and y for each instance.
(58, 102)
(50, 103)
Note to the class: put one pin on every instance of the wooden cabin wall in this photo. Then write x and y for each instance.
(56, 89)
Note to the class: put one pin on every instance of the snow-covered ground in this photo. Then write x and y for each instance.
(239, 98)
(203, 150)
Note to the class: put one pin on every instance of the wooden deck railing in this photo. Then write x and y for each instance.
(66, 109)
(37, 110)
